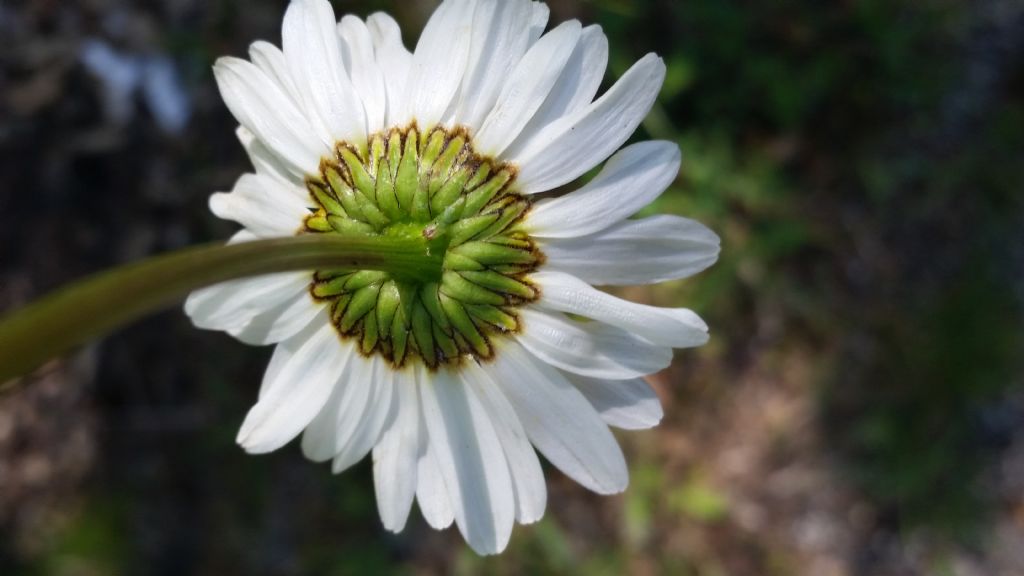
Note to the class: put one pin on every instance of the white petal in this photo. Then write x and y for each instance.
(576, 86)
(271, 61)
(379, 410)
(301, 387)
(320, 439)
(257, 311)
(431, 494)
(626, 404)
(501, 35)
(471, 461)
(591, 349)
(523, 464)
(633, 252)
(527, 87)
(271, 165)
(313, 51)
(395, 61)
(560, 422)
(262, 205)
(630, 180)
(259, 104)
(675, 327)
(395, 456)
(539, 13)
(358, 53)
(348, 415)
(440, 60)
(278, 360)
(233, 304)
(279, 323)
(568, 148)
(333, 427)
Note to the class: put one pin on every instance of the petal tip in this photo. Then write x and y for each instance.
(248, 443)
(617, 487)
(218, 203)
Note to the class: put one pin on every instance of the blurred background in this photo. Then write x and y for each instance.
(859, 411)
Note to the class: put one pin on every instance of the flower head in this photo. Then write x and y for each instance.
(453, 377)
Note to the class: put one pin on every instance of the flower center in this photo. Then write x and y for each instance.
(435, 186)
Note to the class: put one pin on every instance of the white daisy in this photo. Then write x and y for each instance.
(453, 384)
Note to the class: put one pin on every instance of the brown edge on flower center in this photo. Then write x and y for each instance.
(438, 187)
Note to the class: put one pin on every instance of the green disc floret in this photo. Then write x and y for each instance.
(431, 185)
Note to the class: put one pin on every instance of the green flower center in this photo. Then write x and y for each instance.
(435, 186)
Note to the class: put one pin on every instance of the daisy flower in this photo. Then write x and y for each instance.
(454, 384)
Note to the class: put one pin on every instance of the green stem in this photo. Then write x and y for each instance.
(94, 307)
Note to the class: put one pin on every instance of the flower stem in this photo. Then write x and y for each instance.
(94, 307)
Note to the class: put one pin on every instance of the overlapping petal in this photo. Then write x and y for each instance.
(539, 14)
(335, 425)
(527, 476)
(270, 59)
(627, 404)
(471, 462)
(501, 35)
(527, 87)
(232, 305)
(262, 205)
(297, 392)
(575, 88)
(630, 180)
(590, 348)
(394, 61)
(396, 454)
(278, 323)
(367, 77)
(632, 252)
(431, 494)
(675, 327)
(560, 421)
(260, 104)
(379, 410)
(313, 53)
(269, 164)
(440, 60)
(569, 147)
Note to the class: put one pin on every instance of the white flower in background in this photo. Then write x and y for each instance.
(452, 384)
(123, 75)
